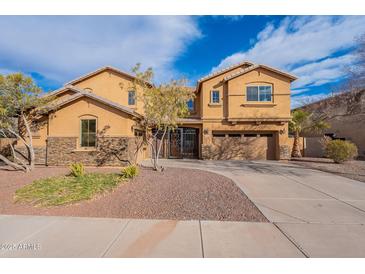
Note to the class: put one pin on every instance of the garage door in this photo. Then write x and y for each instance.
(243, 146)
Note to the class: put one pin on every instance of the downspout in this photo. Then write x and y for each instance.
(46, 160)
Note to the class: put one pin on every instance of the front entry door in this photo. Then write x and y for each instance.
(175, 143)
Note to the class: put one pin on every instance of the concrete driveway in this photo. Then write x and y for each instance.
(311, 214)
(322, 214)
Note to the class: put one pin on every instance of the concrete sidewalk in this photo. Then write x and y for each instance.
(40, 236)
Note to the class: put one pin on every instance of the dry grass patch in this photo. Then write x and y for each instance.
(64, 190)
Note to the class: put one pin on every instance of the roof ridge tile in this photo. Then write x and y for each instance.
(224, 69)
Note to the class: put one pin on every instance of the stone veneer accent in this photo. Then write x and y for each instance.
(39, 154)
(112, 151)
(285, 151)
(206, 150)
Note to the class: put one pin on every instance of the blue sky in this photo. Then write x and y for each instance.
(56, 49)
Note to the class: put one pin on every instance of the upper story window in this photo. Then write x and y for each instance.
(88, 133)
(131, 97)
(214, 97)
(259, 93)
(190, 104)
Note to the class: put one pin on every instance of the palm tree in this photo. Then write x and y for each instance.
(304, 122)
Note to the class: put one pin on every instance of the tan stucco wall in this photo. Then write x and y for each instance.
(66, 121)
(352, 128)
(41, 132)
(40, 136)
(233, 96)
(345, 114)
(248, 126)
(114, 87)
(233, 111)
(207, 86)
(239, 106)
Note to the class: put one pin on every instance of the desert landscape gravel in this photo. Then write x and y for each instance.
(175, 194)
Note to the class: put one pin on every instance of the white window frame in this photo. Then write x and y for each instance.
(258, 92)
(211, 97)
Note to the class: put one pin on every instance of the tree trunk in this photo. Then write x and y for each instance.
(17, 166)
(18, 160)
(30, 147)
(296, 146)
(156, 153)
(139, 145)
(13, 165)
(160, 168)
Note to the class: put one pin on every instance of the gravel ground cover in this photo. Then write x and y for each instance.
(352, 169)
(177, 194)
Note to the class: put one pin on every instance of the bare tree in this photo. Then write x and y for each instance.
(164, 105)
(356, 80)
(20, 105)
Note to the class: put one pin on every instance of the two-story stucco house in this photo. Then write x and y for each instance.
(240, 112)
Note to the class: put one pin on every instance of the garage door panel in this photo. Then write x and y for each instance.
(243, 148)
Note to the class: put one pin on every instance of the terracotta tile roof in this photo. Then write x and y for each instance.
(55, 92)
(250, 68)
(90, 74)
(218, 72)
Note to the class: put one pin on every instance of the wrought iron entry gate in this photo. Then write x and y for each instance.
(183, 143)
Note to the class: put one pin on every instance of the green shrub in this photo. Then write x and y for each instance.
(341, 151)
(77, 170)
(130, 172)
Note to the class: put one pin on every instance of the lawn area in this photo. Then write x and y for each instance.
(61, 190)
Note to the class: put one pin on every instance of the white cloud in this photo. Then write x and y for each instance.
(322, 72)
(298, 91)
(6, 71)
(63, 47)
(302, 100)
(228, 17)
(299, 44)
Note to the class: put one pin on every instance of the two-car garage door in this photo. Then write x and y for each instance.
(243, 146)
